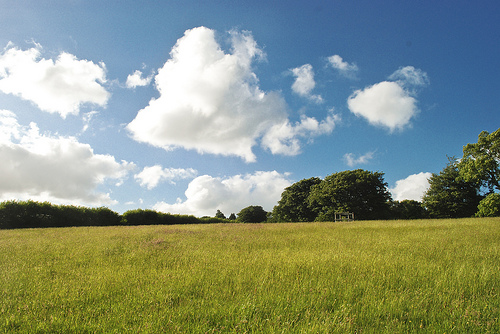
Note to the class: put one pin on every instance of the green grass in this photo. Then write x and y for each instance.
(429, 276)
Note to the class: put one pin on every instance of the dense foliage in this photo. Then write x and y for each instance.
(252, 214)
(362, 192)
(449, 195)
(30, 214)
(489, 206)
(293, 205)
(408, 209)
(481, 161)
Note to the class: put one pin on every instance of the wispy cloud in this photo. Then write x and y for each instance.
(150, 177)
(410, 76)
(86, 118)
(344, 68)
(351, 159)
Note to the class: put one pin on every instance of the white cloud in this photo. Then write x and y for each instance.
(206, 194)
(351, 160)
(59, 86)
(346, 69)
(384, 104)
(86, 118)
(56, 169)
(136, 79)
(150, 177)
(284, 138)
(304, 82)
(411, 188)
(410, 75)
(210, 100)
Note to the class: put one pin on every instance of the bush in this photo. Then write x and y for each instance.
(489, 206)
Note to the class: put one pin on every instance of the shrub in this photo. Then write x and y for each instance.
(489, 206)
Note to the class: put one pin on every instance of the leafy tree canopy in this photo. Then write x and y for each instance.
(481, 161)
(362, 192)
(220, 215)
(449, 195)
(407, 209)
(489, 206)
(252, 214)
(293, 205)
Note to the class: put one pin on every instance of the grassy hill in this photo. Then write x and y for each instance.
(371, 277)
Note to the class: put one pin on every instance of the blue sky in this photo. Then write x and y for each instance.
(193, 106)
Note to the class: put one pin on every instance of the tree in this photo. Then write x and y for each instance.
(219, 214)
(449, 195)
(252, 214)
(481, 161)
(407, 209)
(362, 192)
(293, 205)
(232, 216)
(489, 206)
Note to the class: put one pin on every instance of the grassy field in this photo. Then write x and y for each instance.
(432, 276)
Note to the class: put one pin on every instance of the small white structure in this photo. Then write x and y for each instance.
(344, 216)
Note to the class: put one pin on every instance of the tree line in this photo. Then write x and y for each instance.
(31, 214)
(465, 187)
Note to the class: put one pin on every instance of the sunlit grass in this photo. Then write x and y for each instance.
(372, 277)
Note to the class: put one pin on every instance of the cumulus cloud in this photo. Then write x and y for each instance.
(285, 138)
(384, 104)
(410, 76)
(346, 69)
(210, 100)
(411, 188)
(351, 160)
(56, 169)
(136, 79)
(150, 177)
(206, 194)
(304, 82)
(61, 86)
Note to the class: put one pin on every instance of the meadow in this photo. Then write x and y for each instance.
(429, 276)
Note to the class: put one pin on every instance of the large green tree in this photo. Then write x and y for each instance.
(481, 161)
(449, 195)
(359, 191)
(293, 205)
(252, 214)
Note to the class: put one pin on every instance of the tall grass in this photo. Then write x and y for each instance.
(370, 277)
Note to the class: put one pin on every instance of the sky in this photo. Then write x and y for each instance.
(190, 107)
